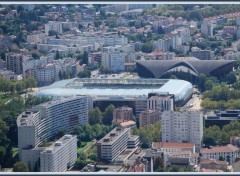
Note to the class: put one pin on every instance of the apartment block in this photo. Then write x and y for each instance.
(123, 113)
(161, 102)
(14, 62)
(149, 117)
(207, 27)
(113, 59)
(201, 54)
(44, 121)
(59, 156)
(186, 126)
(113, 144)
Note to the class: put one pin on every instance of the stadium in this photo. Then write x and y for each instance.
(120, 89)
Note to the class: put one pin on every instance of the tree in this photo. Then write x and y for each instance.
(20, 167)
(231, 78)
(84, 74)
(57, 56)
(95, 116)
(147, 47)
(35, 56)
(85, 58)
(108, 115)
(208, 85)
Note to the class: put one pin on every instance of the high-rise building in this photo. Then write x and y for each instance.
(113, 59)
(183, 127)
(44, 121)
(207, 27)
(14, 62)
(113, 144)
(60, 156)
(149, 117)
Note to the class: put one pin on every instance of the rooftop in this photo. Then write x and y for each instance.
(115, 87)
(213, 161)
(158, 145)
(220, 149)
(26, 118)
(58, 144)
(111, 137)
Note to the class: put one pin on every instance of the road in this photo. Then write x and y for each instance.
(194, 103)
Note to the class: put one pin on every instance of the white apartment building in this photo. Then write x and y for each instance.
(54, 26)
(228, 152)
(59, 156)
(113, 144)
(113, 59)
(35, 38)
(207, 27)
(33, 63)
(163, 44)
(46, 74)
(183, 127)
(44, 121)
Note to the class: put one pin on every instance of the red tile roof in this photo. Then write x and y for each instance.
(157, 145)
(209, 161)
(220, 149)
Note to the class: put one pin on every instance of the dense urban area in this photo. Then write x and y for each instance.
(119, 88)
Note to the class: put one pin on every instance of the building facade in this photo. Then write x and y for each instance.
(183, 127)
(113, 59)
(123, 113)
(44, 121)
(113, 144)
(161, 103)
(14, 62)
(59, 156)
(149, 117)
(228, 153)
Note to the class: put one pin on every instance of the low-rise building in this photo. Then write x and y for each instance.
(9, 75)
(202, 54)
(123, 113)
(171, 147)
(214, 164)
(149, 117)
(228, 153)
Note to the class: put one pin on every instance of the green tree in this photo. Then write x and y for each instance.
(231, 78)
(108, 115)
(95, 116)
(208, 85)
(85, 58)
(20, 167)
(57, 56)
(147, 47)
(35, 56)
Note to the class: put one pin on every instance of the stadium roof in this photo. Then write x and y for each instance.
(158, 68)
(171, 86)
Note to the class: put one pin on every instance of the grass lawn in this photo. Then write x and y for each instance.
(85, 146)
